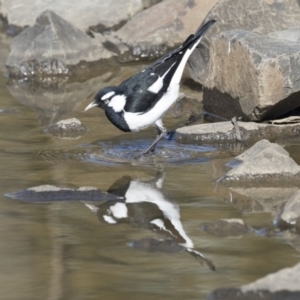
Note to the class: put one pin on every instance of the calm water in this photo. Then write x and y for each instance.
(67, 251)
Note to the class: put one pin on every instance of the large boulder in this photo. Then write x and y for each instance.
(54, 47)
(246, 73)
(252, 76)
(257, 16)
(101, 14)
(152, 32)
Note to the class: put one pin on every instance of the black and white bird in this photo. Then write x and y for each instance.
(143, 99)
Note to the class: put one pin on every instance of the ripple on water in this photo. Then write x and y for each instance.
(131, 152)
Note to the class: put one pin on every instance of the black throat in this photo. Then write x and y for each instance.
(117, 119)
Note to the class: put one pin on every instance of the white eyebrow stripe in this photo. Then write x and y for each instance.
(108, 95)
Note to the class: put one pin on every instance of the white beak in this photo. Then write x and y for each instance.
(91, 105)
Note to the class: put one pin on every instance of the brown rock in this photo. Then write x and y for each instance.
(152, 32)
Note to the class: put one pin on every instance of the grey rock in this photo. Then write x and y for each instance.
(101, 15)
(224, 132)
(251, 76)
(292, 35)
(291, 211)
(68, 129)
(256, 16)
(264, 160)
(54, 47)
(152, 32)
(226, 228)
(284, 284)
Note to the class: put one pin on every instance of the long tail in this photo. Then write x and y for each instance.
(190, 43)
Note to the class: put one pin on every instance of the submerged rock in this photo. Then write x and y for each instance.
(226, 228)
(264, 160)
(224, 132)
(152, 32)
(50, 193)
(155, 245)
(68, 129)
(258, 199)
(284, 284)
(52, 46)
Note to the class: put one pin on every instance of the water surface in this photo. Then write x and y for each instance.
(64, 250)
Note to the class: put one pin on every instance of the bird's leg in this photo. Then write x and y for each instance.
(162, 131)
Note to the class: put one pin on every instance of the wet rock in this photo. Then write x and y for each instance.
(101, 15)
(52, 46)
(152, 32)
(155, 245)
(226, 228)
(284, 284)
(256, 16)
(224, 132)
(253, 77)
(290, 212)
(68, 129)
(51, 193)
(264, 160)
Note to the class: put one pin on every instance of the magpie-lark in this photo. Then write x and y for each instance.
(144, 98)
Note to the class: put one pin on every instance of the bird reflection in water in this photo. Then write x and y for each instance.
(146, 205)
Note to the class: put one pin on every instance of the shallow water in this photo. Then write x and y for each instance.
(64, 250)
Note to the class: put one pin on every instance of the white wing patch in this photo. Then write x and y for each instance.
(158, 84)
(108, 95)
(117, 103)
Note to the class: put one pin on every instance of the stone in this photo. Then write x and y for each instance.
(264, 160)
(54, 47)
(68, 129)
(50, 193)
(256, 16)
(225, 228)
(154, 31)
(284, 284)
(252, 77)
(224, 132)
(290, 212)
(100, 15)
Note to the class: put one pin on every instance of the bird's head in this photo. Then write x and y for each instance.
(108, 98)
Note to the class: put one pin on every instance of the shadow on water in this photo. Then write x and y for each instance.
(133, 202)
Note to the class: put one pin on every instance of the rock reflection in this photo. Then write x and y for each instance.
(146, 205)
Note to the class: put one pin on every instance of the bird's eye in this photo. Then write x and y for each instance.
(106, 101)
